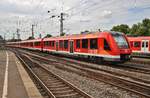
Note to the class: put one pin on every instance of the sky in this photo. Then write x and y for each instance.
(79, 15)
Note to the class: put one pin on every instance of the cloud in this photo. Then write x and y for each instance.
(82, 15)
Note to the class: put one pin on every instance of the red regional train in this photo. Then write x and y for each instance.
(140, 45)
(101, 46)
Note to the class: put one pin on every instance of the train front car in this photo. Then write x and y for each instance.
(120, 46)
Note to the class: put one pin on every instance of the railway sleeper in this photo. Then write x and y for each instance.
(69, 91)
(72, 95)
(52, 81)
(62, 88)
(56, 86)
(56, 83)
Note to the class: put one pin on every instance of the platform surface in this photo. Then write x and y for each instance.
(14, 80)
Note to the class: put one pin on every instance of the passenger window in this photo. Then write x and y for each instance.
(31, 44)
(61, 44)
(66, 44)
(93, 43)
(53, 43)
(47, 43)
(78, 43)
(50, 43)
(146, 44)
(136, 44)
(106, 45)
(142, 44)
(85, 43)
(37, 43)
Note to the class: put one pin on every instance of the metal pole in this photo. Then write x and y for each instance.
(61, 23)
(13, 35)
(32, 31)
(18, 35)
(4, 36)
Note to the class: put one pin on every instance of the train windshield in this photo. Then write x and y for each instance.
(120, 40)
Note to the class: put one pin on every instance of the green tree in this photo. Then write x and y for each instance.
(1, 38)
(48, 35)
(141, 29)
(85, 32)
(145, 27)
(134, 29)
(62, 34)
(30, 38)
(121, 28)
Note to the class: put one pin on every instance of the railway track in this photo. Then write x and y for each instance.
(52, 85)
(127, 66)
(144, 62)
(110, 78)
(134, 67)
(141, 56)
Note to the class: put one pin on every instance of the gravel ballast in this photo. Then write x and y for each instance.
(92, 87)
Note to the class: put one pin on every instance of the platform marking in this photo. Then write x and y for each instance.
(5, 87)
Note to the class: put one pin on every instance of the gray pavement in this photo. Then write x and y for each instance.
(2, 70)
(15, 85)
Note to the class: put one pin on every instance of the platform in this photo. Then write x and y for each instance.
(14, 80)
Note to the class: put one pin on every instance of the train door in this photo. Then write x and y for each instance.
(71, 47)
(56, 46)
(145, 46)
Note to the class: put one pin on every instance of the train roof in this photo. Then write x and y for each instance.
(83, 36)
(74, 36)
(139, 38)
(33, 40)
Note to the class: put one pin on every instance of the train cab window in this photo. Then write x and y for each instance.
(93, 43)
(65, 44)
(136, 44)
(120, 40)
(106, 45)
(85, 43)
(78, 43)
(61, 44)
